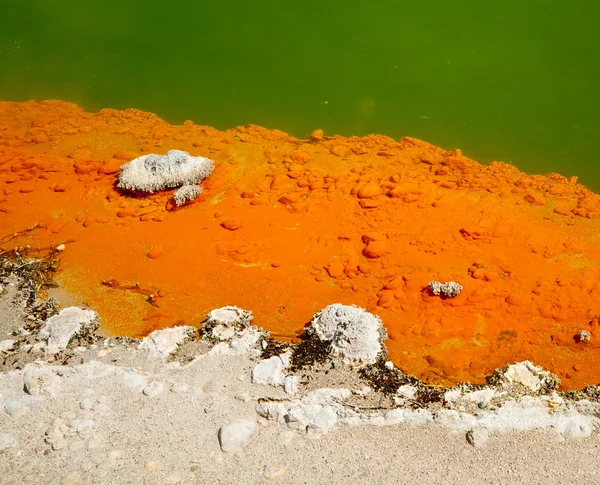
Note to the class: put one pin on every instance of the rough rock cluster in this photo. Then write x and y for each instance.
(151, 173)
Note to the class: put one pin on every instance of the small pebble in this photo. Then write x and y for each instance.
(75, 446)
(59, 444)
(274, 472)
(94, 442)
(482, 405)
(71, 478)
(154, 389)
(6, 442)
(87, 403)
(244, 397)
(180, 387)
(217, 457)
(172, 479)
(151, 466)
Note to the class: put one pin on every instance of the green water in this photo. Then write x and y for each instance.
(515, 80)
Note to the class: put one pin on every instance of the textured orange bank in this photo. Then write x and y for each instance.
(286, 226)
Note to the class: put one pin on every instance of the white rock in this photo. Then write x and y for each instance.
(274, 472)
(94, 441)
(244, 397)
(395, 416)
(161, 343)
(59, 329)
(228, 316)
(135, 381)
(454, 419)
(236, 435)
(40, 380)
(314, 418)
(477, 437)
(269, 372)
(59, 444)
(404, 393)
(575, 427)
(82, 427)
(150, 173)
(87, 403)
(484, 395)
(418, 417)
(527, 374)
(154, 389)
(326, 395)
(39, 346)
(6, 345)
(291, 385)
(6, 442)
(180, 387)
(354, 333)
(245, 341)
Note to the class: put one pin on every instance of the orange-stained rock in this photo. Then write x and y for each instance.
(335, 269)
(376, 249)
(155, 253)
(316, 230)
(535, 199)
(316, 135)
(369, 191)
(111, 166)
(231, 224)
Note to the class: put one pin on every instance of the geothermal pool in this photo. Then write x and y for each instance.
(286, 226)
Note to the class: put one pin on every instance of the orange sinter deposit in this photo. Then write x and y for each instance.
(285, 227)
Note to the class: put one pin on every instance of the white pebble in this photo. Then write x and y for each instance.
(172, 479)
(59, 444)
(135, 381)
(86, 404)
(236, 435)
(180, 387)
(274, 472)
(151, 466)
(75, 446)
(244, 397)
(71, 478)
(154, 389)
(6, 442)
(6, 345)
(94, 442)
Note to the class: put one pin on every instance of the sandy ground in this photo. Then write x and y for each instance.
(93, 421)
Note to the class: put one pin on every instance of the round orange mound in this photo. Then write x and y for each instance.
(285, 227)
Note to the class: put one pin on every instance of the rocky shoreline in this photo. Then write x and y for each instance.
(184, 404)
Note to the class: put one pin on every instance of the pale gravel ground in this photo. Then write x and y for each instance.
(178, 431)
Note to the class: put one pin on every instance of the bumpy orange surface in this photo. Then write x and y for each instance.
(286, 226)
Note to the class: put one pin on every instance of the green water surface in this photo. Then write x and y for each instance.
(515, 80)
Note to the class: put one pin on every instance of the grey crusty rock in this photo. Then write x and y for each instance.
(151, 173)
(67, 324)
(355, 334)
(186, 193)
(449, 289)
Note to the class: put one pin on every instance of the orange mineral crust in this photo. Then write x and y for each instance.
(285, 227)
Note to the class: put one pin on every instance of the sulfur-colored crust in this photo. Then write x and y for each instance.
(285, 227)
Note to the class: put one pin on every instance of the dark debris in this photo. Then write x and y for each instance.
(308, 352)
